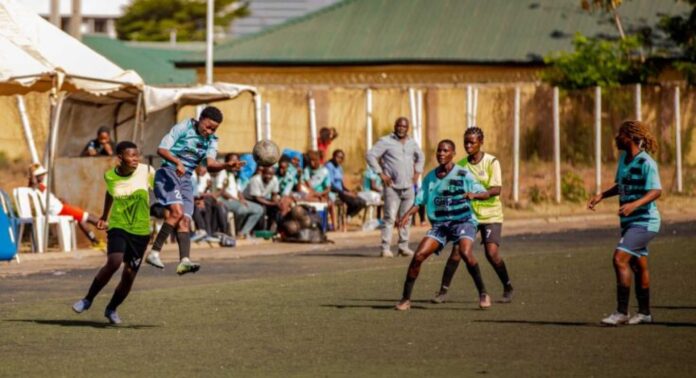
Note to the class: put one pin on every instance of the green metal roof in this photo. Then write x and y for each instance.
(434, 31)
(154, 64)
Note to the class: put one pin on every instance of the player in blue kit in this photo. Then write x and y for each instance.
(446, 193)
(638, 185)
(188, 144)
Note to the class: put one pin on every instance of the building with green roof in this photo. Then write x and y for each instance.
(153, 62)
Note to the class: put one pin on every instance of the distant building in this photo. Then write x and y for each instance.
(265, 13)
(98, 16)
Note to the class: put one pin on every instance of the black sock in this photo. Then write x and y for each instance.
(184, 244)
(447, 275)
(92, 237)
(643, 296)
(162, 236)
(502, 273)
(622, 294)
(97, 284)
(475, 273)
(408, 288)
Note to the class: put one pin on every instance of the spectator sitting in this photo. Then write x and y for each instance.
(263, 189)
(326, 136)
(287, 176)
(246, 213)
(349, 197)
(209, 215)
(57, 206)
(102, 146)
(372, 188)
(316, 183)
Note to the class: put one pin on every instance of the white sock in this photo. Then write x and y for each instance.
(185, 259)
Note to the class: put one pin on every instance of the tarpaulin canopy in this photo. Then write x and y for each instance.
(35, 55)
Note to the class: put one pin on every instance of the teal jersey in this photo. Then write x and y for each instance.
(444, 197)
(184, 142)
(634, 180)
(370, 176)
(319, 179)
(288, 181)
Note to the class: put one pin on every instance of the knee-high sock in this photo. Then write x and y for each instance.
(643, 296)
(162, 236)
(501, 271)
(184, 244)
(408, 288)
(622, 294)
(475, 273)
(447, 275)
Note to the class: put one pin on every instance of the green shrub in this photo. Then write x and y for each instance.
(573, 188)
(537, 195)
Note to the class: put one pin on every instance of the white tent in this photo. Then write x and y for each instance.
(86, 89)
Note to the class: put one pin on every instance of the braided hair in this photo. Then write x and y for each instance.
(640, 134)
(474, 130)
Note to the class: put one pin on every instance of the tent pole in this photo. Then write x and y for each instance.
(312, 121)
(257, 115)
(56, 106)
(268, 120)
(137, 123)
(26, 126)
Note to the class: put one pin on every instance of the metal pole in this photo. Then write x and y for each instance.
(55, 18)
(598, 139)
(257, 115)
(419, 115)
(368, 117)
(313, 121)
(469, 101)
(638, 101)
(412, 106)
(556, 145)
(76, 20)
(53, 136)
(474, 106)
(268, 120)
(209, 43)
(677, 132)
(516, 148)
(26, 126)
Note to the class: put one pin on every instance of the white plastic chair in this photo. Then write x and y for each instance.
(30, 211)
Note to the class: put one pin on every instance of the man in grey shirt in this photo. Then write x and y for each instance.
(398, 160)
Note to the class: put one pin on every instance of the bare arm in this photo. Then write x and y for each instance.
(168, 156)
(404, 220)
(650, 196)
(597, 198)
(108, 201)
(494, 191)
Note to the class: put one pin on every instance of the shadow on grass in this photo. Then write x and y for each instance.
(81, 323)
(583, 324)
(412, 301)
(391, 307)
(339, 254)
(675, 307)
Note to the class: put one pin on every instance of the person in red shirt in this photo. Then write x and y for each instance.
(326, 136)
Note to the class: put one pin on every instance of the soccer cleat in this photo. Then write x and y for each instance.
(403, 305)
(484, 301)
(154, 259)
(186, 266)
(387, 253)
(81, 305)
(507, 295)
(405, 252)
(198, 236)
(211, 239)
(615, 319)
(440, 297)
(99, 245)
(640, 319)
(112, 315)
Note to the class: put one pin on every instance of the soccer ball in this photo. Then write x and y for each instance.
(291, 226)
(298, 212)
(266, 153)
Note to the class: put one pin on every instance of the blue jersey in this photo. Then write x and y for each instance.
(444, 197)
(184, 142)
(634, 180)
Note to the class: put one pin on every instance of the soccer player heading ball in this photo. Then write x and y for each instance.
(638, 185)
(188, 144)
(446, 194)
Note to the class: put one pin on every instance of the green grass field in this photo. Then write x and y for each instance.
(330, 314)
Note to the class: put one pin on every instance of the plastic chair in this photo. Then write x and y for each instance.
(31, 212)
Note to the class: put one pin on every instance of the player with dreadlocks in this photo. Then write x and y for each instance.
(485, 168)
(638, 185)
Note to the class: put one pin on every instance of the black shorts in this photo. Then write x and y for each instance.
(490, 232)
(132, 246)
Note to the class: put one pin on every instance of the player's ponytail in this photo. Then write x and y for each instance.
(640, 134)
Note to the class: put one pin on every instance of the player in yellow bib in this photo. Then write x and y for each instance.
(127, 208)
(489, 213)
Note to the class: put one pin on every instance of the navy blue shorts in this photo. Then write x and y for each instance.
(490, 232)
(171, 189)
(451, 231)
(634, 240)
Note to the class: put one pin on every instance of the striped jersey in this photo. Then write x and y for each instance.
(130, 209)
(444, 197)
(184, 142)
(487, 172)
(635, 179)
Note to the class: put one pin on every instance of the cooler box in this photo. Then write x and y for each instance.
(322, 210)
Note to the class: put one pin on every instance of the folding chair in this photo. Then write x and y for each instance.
(30, 211)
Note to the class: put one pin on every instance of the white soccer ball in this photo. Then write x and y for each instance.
(266, 153)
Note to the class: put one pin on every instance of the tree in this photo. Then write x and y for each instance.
(682, 31)
(596, 61)
(153, 20)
